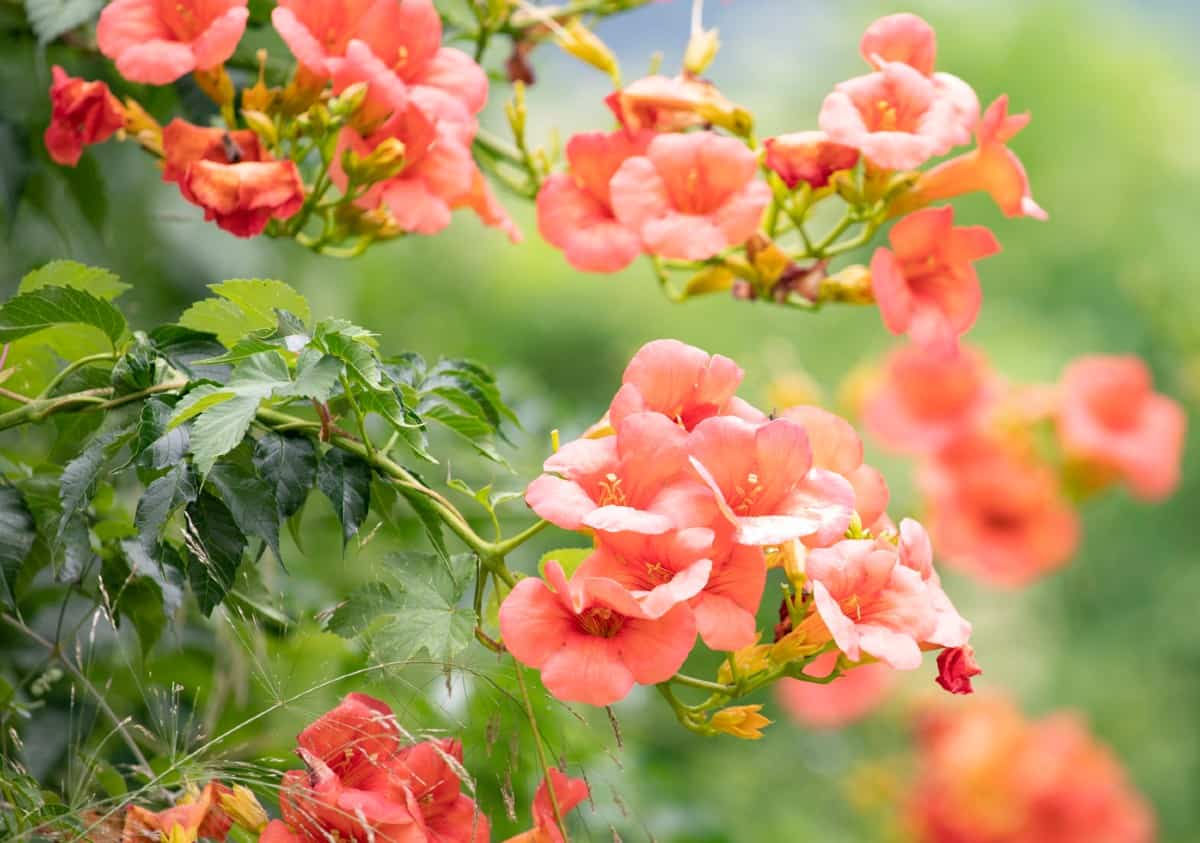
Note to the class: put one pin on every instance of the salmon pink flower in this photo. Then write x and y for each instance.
(662, 571)
(991, 167)
(987, 775)
(690, 196)
(764, 482)
(361, 783)
(684, 383)
(230, 176)
(156, 43)
(574, 209)
(925, 400)
(846, 700)
(997, 513)
(672, 104)
(808, 157)
(590, 637)
(908, 39)
(318, 31)
(482, 200)
(897, 117)
(837, 447)
(568, 793)
(1110, 417)
(926, 285)
(628, 482)
(82, 113)
(956, 666)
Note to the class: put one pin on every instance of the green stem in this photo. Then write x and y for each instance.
(702, 684)
(74, 366)
(507, 546)
(541, 750)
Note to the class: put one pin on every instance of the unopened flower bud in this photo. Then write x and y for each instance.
(142, 127)
(384, 161)
(794, 646)
(768, 259)
(701, 50)
(319, 119)
(261, 125)
(349, 100)
(713, 279)
(258, 97)
(956, 666)
(846, 185)
(741, 721)
(851, 285)
(216, 84)
(304, 90)
(746, 661)
(585, 45)
(244, 809)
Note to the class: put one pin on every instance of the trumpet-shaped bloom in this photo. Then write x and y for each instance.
(925, 400)
(908, 39)
(672, 104)
(362, 784)
(837, 447)
(197, 816)
(663, 571)
(808, 157)
(987, 775)
(619, 483)
(690, 196)
(991, 167)
(1110, 417)
(841, 702)
(318, 31)
(763, 479)
(926, 285)
(568, 793)
(574, 209)
(82, 113)
(230, 176)
(997, 513)
(591, 638)
(684, 383)
(897, 117)
(156, 43)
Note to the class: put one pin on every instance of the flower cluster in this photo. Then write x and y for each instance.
(682, 179)
(987, 775)
(376, 108)
(1001, 464)
(690, 495)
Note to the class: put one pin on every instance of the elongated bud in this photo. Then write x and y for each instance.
(143, 128)
(258, 97)
(741, 721)
(515, 110)
(304, 90)
(385, 161)
(768, 259)
(261, 125)
(244, 809)
(701, 50)
(795, 646)
(746, 661)
(585, 45)
(216, 84)
(851, 284)
(349, 100)
(713, 279)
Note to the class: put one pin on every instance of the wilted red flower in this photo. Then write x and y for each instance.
(82, 113)
(156, 43)
(956, 666)
(1111, 418)
(987, 775)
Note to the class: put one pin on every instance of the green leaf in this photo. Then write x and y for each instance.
(51, 18)
(220, 429)
(215, 546)
(62, 273)
(244, 307)
(246, 347)
(48, 307)
(426, 617)
(185, 350)
(348, 346)
(136, 369)
(162, 497)
(250, 500)
(146, 590)
(345, 479)
(569, 558)
(316, 376)
(17, 533)
(289, 465)
(155, 444)
(79, 477)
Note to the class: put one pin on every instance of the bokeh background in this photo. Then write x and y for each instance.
(1113, 156)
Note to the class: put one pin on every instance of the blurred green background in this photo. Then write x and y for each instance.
(1113, 156)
